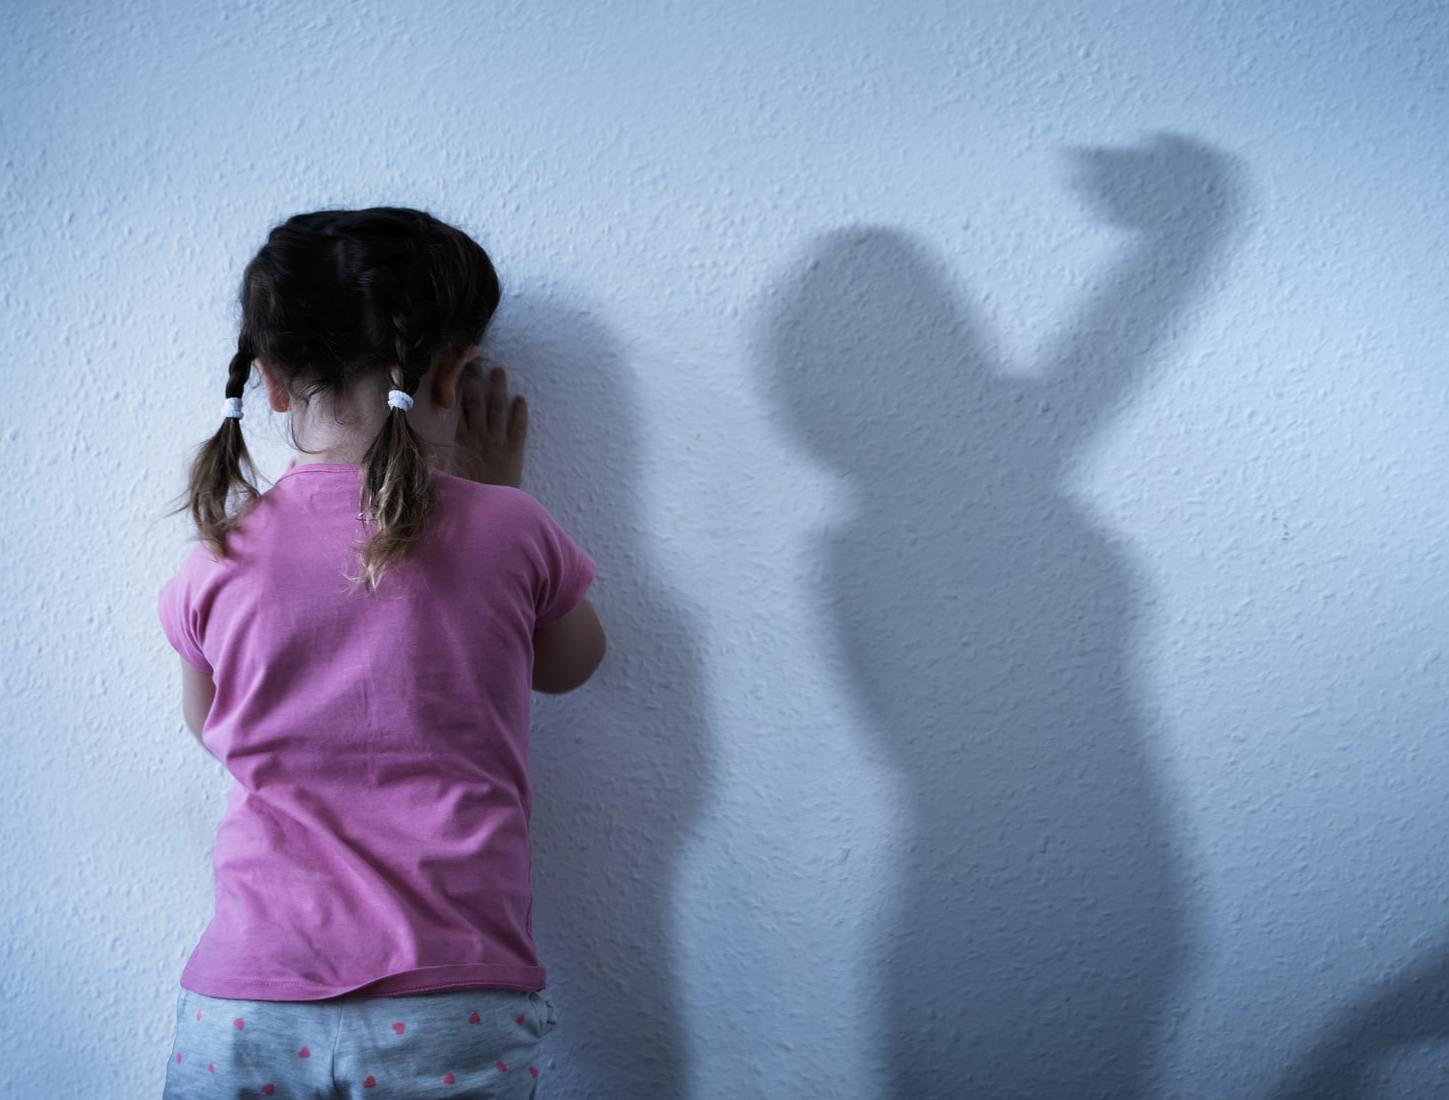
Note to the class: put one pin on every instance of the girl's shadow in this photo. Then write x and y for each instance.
(621, 768)
(1037, 924)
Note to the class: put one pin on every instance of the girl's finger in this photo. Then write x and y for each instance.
(471, 383)
(497, 399)
(470, 396)
(518, 424)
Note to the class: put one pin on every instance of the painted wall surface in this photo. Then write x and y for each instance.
(1011, 436)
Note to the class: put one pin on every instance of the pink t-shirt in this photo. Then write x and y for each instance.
(377, 834)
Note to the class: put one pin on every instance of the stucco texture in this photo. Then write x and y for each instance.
(1011, 438)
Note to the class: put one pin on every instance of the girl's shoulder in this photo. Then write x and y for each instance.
(514, 513)
(492, 500)
(198, 560)
(198, 573)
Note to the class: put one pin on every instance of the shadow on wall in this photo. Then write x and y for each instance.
(1409, 1010)
(622, 770)
(1039, 925)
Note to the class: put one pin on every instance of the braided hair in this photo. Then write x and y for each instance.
(334, 296)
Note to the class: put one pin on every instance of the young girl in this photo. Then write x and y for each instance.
(358, 646)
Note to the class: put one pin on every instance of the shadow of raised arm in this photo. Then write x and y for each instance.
(1182, 199)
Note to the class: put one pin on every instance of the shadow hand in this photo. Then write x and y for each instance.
(1169, 186)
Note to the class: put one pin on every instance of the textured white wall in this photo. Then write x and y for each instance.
(1022, 566)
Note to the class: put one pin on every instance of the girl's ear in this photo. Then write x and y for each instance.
(450, 370)
(277, 396)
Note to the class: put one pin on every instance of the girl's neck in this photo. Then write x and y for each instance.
(353, 457)
(325, 458)
(337, 430)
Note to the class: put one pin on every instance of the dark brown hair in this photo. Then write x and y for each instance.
(333, 296)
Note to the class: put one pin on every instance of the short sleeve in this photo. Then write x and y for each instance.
(180, 622)
(564, 569)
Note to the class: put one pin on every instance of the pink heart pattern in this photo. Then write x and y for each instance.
(370, 1082)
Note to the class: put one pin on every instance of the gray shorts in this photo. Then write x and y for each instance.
(457, 1043)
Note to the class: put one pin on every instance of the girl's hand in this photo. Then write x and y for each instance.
(492, 429)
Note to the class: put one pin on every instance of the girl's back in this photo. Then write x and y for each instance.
(377, 834)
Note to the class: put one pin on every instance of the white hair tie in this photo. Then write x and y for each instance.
(232, 407)
(398, 399)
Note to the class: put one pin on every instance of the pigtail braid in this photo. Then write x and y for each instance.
(397, 489)
(217, 472)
